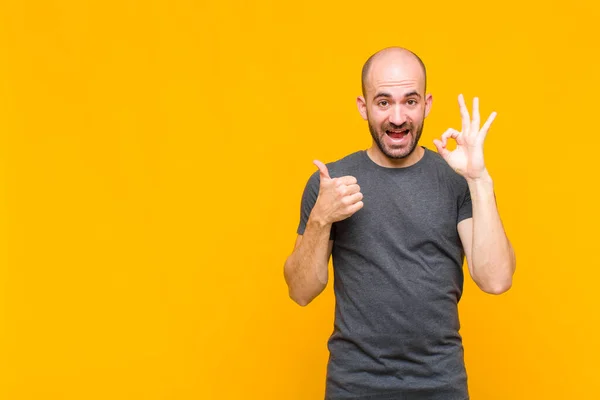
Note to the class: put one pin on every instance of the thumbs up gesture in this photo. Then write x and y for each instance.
(338, 198)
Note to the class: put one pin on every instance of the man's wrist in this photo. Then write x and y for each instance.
(482, 186)
(318, 221)
(482, 178)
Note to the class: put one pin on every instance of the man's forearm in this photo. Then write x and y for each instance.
(306, 269)
(492, 254)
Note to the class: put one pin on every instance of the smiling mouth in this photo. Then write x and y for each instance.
(397, 133)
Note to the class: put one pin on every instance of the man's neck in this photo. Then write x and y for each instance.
(384, 161)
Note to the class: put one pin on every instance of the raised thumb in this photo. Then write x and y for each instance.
(324, 172)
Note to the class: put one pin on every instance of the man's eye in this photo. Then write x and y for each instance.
(412, 102)
(383, 103)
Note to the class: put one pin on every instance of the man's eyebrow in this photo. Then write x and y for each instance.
(413, 93)
(381, 94)
(385, 94)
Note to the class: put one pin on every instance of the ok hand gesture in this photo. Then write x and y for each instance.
(467, 158)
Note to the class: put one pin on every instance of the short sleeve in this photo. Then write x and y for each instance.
(465, 208)
(309, 198)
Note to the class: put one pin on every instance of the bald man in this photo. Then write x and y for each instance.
(398, 220)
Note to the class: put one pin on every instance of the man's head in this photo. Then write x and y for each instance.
(394, 100)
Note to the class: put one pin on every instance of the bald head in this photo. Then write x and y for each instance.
(390, 55)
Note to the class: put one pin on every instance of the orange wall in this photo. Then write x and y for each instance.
(154, 154)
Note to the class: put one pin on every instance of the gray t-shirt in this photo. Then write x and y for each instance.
(398, 278)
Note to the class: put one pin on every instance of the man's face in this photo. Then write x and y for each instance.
(396, 107)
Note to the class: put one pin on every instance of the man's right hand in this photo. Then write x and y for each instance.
(338, 198)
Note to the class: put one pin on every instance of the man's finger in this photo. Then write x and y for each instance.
(464, 114)
(355, 207)
(450, 133)
(356, 197)
(351, 189)
(346, 180)
(442, 150)
(324, 172)
(484, 129)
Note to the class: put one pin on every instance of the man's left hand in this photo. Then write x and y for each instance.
(467, 158)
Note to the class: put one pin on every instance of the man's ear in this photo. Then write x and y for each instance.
(428, 102)
(362, 107)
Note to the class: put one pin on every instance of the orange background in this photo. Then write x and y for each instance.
(153, 158)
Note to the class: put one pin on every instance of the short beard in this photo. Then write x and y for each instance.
(385, 151)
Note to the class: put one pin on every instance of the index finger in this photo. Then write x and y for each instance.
(346, 180)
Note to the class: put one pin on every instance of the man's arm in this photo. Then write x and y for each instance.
(306, 269)
(489, 253)
(490, 256)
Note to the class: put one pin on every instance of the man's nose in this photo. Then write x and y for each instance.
(398, 117)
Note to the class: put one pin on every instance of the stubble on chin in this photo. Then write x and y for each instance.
(378, 138)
